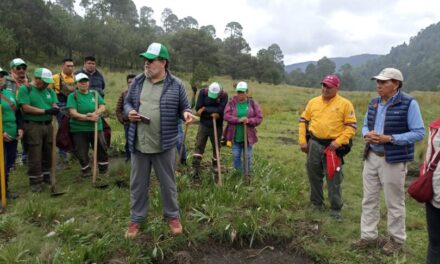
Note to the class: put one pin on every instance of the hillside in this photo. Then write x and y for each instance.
(419, 61)
(355, 61)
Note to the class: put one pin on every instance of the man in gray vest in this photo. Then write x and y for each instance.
(154, 101)
(392, 124)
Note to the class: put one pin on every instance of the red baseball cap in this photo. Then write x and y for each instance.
(332, 81)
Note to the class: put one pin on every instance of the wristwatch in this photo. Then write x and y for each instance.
(392, 140)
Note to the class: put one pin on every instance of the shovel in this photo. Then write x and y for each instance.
(53, 191)
(95, 150)
(217, 152)
(2, 167)
(245, 158)
(183, 142)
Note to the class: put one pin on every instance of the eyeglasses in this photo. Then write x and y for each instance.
(21, 67)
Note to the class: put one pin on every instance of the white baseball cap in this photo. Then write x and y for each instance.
(389, 74)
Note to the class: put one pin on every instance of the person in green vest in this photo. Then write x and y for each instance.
(83, 115)
(12, 128)
(39, 104)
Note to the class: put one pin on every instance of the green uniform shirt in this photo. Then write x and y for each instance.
(148, 135)
(43, 99)
(8, 114)
(83, 103)
(242, 111)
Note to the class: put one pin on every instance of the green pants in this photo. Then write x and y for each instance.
(38, 138)
(317, 170)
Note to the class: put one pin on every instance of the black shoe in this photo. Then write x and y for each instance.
(335, 214)
(12, 195)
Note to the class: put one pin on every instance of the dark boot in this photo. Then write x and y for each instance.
(214, 167)
(46, 178)
(86, 172)
(196, 167)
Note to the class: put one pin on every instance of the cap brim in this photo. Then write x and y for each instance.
(329, 85)
(47, 80)
(148, 56)
(213, 95)
(4, 72)
(379, 77)
(82, 79)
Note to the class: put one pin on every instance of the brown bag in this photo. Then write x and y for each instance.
(64, 138)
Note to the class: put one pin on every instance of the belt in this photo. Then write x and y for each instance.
(321, 141)
(378, 153)
(38, 122)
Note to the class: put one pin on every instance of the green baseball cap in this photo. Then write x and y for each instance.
(156, 50)
(3, 71)
(17, 62)
(81, 76)
(241, 87)
(214, 90)
(44, 74)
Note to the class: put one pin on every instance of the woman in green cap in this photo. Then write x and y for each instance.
(243, 115)
(12, 128)
(83, 115)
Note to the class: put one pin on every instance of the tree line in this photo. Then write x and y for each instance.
(115, 32)
(419, 61)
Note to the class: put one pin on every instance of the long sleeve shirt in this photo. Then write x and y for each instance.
(415, 124)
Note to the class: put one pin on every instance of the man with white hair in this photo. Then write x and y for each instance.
(154, 101)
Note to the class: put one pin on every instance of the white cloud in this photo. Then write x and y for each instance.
(309, 30)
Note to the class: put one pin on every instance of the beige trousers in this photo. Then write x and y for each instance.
(378, 174)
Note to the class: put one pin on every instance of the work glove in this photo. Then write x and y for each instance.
(215, 115)
(52, 111)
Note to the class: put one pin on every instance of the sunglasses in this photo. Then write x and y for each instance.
(22, 67)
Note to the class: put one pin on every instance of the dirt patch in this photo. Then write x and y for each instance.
(287, 140)
(219, 254)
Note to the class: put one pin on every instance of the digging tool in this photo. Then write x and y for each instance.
(183, 142)
(245, 151)
(2, 166)
(95, 150)
(53, 191)
(217, 152)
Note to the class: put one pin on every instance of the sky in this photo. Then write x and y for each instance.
(309, 30)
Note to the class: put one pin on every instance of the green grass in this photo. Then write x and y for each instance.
(88, 224)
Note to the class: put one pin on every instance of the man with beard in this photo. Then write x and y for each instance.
(153, 102)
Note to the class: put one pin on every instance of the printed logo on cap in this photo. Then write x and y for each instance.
(154, 48)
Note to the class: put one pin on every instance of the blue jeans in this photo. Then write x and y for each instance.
(179, 141)
(237, 151)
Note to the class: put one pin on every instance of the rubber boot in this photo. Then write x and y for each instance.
(196, 167)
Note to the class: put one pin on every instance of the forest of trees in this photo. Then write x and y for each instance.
(419, 62)
(115, 32)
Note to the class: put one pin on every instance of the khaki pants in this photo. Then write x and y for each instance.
(378, 174)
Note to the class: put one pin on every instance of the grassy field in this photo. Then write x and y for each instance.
(87, 225)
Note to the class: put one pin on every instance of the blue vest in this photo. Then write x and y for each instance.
(396, 122)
